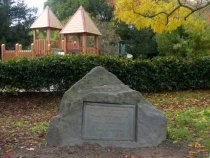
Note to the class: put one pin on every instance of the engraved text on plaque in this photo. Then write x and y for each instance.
(102, 121)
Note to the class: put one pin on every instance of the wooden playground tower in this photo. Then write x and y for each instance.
(80, 35)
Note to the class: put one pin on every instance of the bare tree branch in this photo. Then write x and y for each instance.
(148, 16)
(197, 9)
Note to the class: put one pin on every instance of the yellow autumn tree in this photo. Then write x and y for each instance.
(160, 15)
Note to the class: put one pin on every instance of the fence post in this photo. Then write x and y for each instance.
(19, 51)
(48, 48)
(45, 48)
(20, 47)
(35, 48)
(38, 48)
(32, 50)
(62, 45)
(16, 50)
(2, 51)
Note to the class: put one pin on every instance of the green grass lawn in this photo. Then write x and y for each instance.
(24, 118)
(188, 116)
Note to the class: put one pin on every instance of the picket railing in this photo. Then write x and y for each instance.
(43, 47)
(38, 48)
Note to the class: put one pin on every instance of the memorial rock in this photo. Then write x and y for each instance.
(100, 109)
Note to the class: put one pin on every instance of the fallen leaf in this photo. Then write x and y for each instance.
(30, 149)
(71, 150)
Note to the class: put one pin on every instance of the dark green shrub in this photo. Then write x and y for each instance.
(159, 74)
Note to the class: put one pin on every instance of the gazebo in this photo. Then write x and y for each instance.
(81, 34)
(46, 22)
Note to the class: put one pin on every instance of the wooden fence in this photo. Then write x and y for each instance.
(43, 47)
(14, 54)
(76, 48)
(38, 48)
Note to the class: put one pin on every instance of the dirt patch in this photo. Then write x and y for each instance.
(94, 151)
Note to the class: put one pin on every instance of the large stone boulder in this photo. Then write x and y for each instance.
(100, 109)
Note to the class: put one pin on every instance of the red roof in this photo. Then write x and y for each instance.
(80, 22)
(47, 20)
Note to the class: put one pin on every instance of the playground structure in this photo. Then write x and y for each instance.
(79, 36)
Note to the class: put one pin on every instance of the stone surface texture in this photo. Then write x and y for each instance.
(101, 86)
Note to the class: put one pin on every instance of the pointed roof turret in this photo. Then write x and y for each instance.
(47, 20)
(80, 22)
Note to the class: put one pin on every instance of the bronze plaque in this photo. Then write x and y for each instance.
(102, 121)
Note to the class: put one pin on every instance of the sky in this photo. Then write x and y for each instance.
(36, 3)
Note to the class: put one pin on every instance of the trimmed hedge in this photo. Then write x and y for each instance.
(160, 74)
